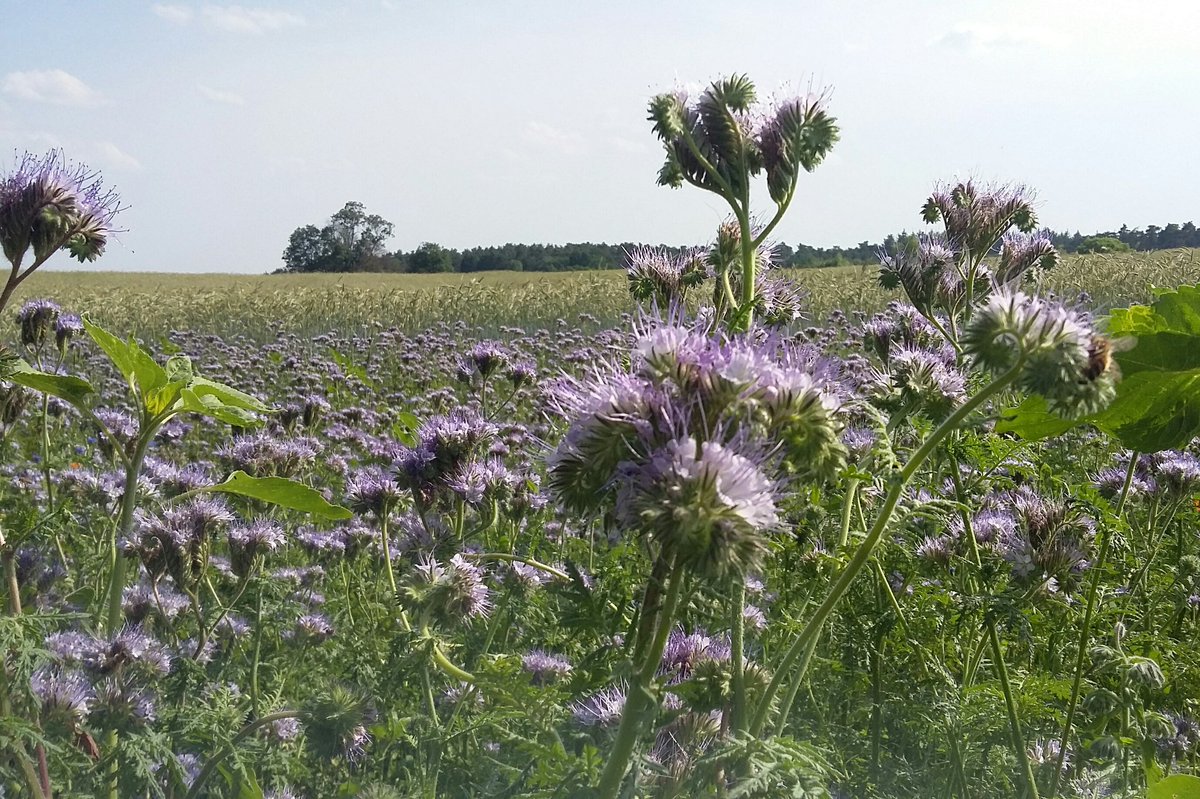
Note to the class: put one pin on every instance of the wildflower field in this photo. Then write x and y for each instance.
(697, 529)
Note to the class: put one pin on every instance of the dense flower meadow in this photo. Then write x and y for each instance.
(722, 550)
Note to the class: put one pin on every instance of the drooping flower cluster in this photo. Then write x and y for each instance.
(48, 203)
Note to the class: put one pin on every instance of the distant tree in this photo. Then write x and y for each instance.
(1102, 244)
(309, 250)
(430, 257)
(353, 240)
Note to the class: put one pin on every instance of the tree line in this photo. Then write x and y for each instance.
(354, 241)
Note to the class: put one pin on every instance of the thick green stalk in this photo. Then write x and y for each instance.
(640, 702)
(133, 468)
(1088, 614)
(804, 643)
(737, 659)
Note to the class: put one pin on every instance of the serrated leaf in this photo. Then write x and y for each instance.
(74, 390)
(282, 492)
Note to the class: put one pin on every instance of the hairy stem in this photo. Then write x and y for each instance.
(640, 702)
(1086, 631)
(804, 643)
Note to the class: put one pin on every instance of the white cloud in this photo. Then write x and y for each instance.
(219, 96)
(50, 86)
(114, 156)
(240, 19)
(983, 39)
(544, 135)
(180, 15)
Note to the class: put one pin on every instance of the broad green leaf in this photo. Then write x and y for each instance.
(282, 492)
(74, 390)
(211, 405)
(228, 395)
(1177, 786)
(134, 363)
(179, 369)
(1031, 420)
(1157, 405)
(161, 398)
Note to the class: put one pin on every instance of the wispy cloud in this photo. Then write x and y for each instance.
(219, 96)
(50, 86)
(180, 15)
(113, 156)
(233, 18)
(563, 141)
(240, 19)
(984, 39)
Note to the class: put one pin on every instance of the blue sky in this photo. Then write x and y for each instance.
(225, 127)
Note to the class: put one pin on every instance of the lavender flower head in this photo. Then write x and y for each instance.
(544, 666)
(48, 203)
(707, 505)
(36, 319)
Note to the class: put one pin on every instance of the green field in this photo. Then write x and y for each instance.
(259, 305)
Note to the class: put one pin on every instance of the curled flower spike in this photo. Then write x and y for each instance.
(661, 276)
(708, 506)
(1062, 359)
(49, 203)
(36, 319)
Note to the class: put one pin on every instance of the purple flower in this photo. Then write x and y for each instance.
(489, 357)
(49, 203)
(64, 694)
(249, 543)
(685, 650)
(545, 667)
(601, 709)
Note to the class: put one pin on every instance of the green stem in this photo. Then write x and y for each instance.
(133, 468)
(847, 508)
(558, 574)
(211, 765)
(387, 550)
(1014, 720)
(804, 643)
(257, 656)
(1085, 633)
(6, 709)
(640, 702)
(737, 657)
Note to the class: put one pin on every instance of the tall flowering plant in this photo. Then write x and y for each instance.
(708, 442)
(720, 141)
